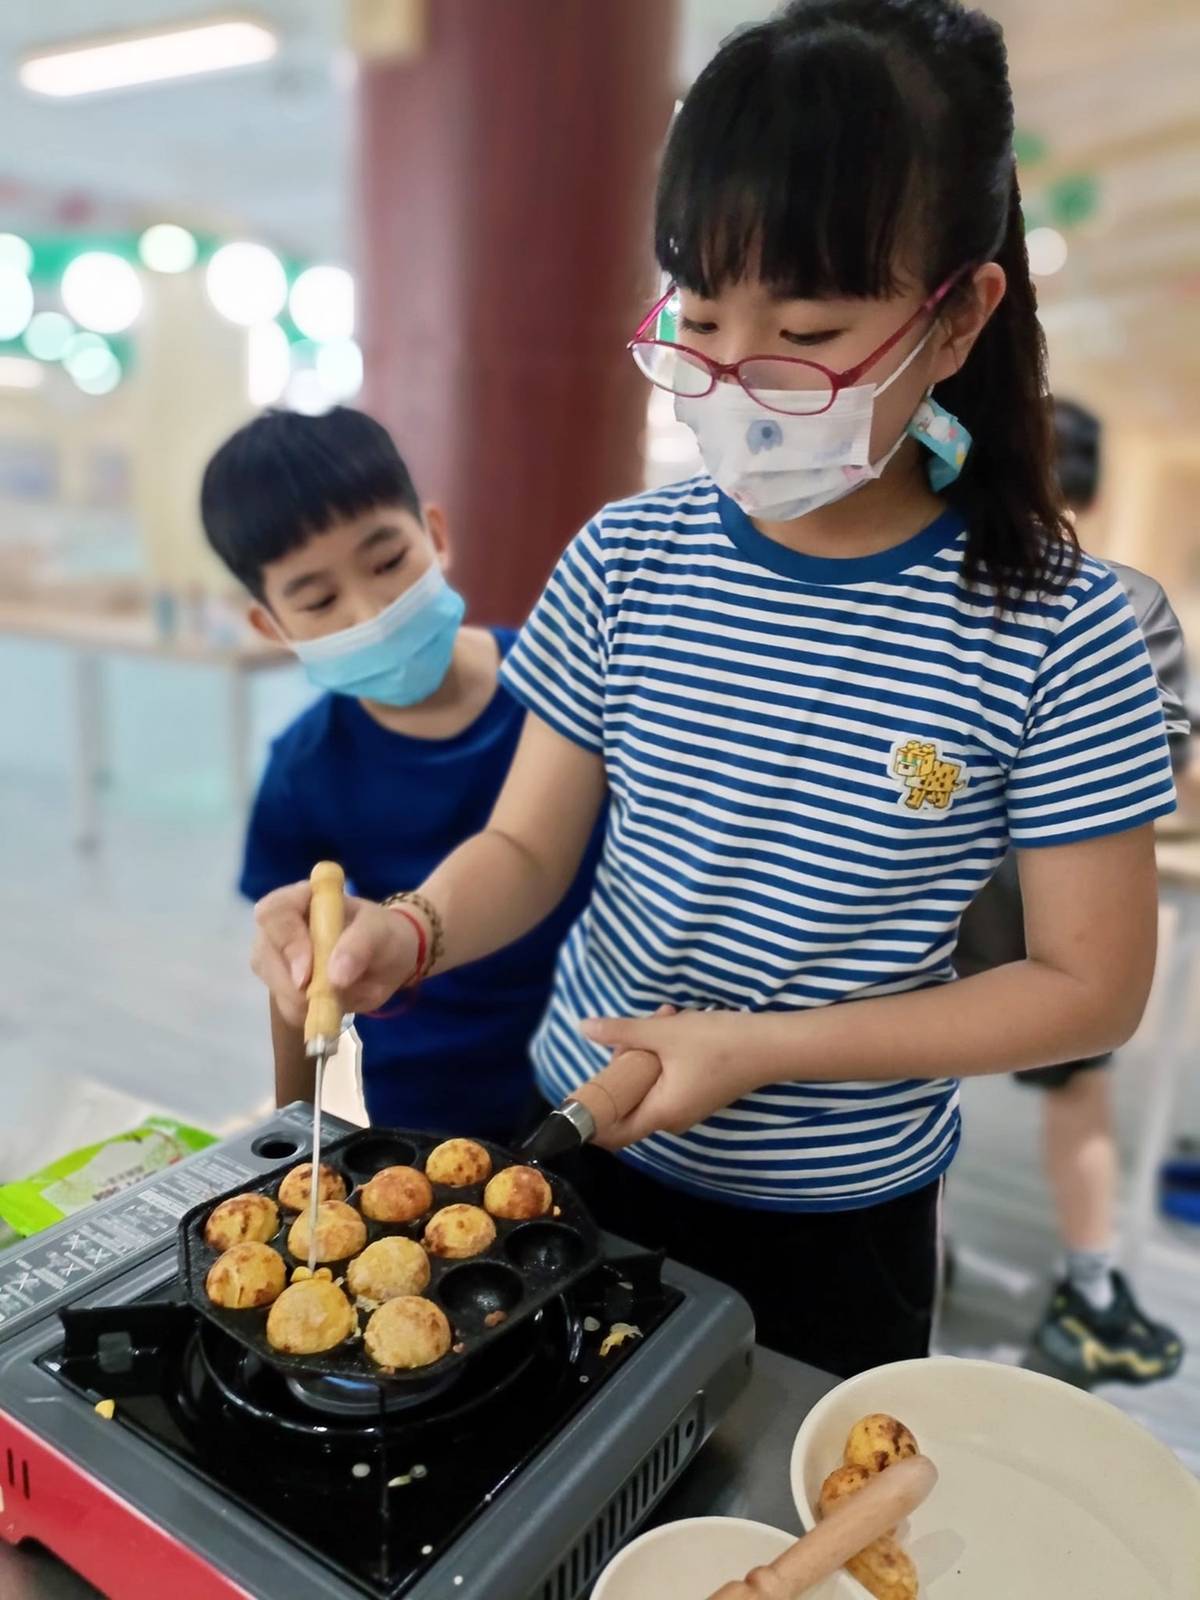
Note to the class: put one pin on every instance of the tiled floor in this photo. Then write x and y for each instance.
(130, 967)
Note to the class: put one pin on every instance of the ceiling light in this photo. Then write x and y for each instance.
(126, 60)
(268, 363)
(16, 252)
(167, 248)
(16, 301)
(322, 303)
(102, 292)
(339, 365)
(1047, 251)
(18, 372)
(48, 334)
(247, 283)
(307, 394)
(91, 364)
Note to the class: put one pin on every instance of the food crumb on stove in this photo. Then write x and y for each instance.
(458, 1348)
(324, 1272)
(624, 1283)
(495, 1318)
(583, 1377)
(400, 1482)
(360, 1469)
(301, 1274)
(617, 1335)
(458, 1579)
(591, 1324)
(426, 1549)
(419, 1471)
(557, 1212)
(105, 1409)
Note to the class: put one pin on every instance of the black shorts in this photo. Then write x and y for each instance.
(842, 1290)
(1058, 1077)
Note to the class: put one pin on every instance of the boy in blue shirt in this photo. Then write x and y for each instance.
(397, 763)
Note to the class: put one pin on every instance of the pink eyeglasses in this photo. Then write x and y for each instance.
(809, 387)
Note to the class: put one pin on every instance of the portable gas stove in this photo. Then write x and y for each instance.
(217, 1476)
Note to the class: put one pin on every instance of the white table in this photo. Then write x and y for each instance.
(90, 637)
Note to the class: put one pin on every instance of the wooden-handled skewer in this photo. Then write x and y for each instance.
(855, 1523)
(323, 1020)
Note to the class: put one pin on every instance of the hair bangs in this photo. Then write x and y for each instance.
(284, 478)
(798, 167)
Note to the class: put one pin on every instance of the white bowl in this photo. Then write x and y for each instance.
(1044, 1493)
(688, 1560)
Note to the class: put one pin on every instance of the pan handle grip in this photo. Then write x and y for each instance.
(619, 1087)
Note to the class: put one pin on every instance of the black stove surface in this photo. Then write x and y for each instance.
(375, 1484)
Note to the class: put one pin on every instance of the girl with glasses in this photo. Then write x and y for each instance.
(825, 684)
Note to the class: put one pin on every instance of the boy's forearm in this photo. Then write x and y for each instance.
(295, 1073)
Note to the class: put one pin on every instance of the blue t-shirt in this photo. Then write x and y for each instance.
(814, 766)
(389, 808)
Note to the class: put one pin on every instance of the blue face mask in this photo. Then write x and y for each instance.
(944, 436)
(397, 658)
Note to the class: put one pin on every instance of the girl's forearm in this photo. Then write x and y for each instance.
(490, 892)
(1024, 1014)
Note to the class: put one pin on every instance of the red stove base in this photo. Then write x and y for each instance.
(45, 1496)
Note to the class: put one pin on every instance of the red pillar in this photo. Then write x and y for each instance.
(505, 187)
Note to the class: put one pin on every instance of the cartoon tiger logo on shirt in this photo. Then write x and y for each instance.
(928, 780)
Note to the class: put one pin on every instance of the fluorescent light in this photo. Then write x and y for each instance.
(307, 394)
(1047, 251)
(16, 252)
(16, 302)
(123, 61)
(268, 363)
(48, 335)
(102, 291)
(246, 283)
(18, 372)
(322, 303)
(91, 364)
(339, 365)
(168, 248)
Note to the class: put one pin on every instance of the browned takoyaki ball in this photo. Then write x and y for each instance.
(388, 1268)
(296, 1189)
(341, 1232)
(459, 1231)
(249, 1274)
(396, 1194)
(458, 1163)
(309, 1317)
(407, 1333)
(518, 1193)
(244, 1217)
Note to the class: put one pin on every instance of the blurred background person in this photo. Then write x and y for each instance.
(1093, 1326)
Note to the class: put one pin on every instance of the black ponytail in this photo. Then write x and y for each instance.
(844, 142)
(1019, 538)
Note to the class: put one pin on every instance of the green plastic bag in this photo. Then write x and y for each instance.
(94, 1173)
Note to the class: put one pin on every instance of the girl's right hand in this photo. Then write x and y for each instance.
(376, 954)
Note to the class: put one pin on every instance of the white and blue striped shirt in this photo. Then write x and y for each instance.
(814, 766)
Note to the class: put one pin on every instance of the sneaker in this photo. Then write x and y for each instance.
(1119, 1343)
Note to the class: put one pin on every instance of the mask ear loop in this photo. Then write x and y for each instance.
(908, 361)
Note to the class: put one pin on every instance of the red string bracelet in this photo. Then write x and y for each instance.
(412, 982)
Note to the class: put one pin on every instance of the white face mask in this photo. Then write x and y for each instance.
(780, 467)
